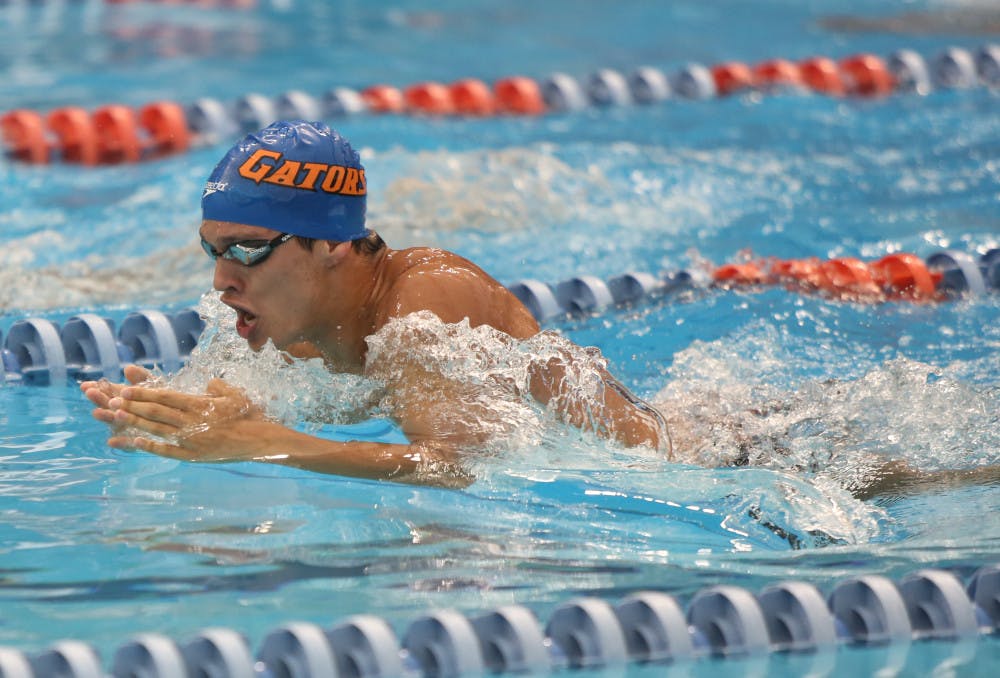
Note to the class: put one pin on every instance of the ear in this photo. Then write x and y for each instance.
(333, 253)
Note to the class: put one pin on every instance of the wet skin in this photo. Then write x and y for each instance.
(324, 301)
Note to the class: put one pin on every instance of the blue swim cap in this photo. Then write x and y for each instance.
(293, 176)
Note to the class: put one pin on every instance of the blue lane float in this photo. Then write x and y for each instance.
(37, 351)
(647, 627)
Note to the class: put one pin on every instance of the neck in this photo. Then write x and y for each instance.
(359, 282)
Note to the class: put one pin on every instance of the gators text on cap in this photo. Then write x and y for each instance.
(293, 176)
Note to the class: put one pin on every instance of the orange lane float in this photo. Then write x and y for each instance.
(473, 97)
(804, 272)
(896, 276)
(822, 75)
(117, 135)
(776, 73)
(23, 134)
(746, 273)
(867, 75)
(110, 135)
(166, 125)
(519, 96)
(906, 274)
(849, 278)
(76, 138)
(732, 76)
(383, 99)
(429, 97)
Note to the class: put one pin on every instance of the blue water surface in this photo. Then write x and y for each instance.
(98, 544)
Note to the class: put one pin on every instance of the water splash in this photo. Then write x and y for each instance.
(523, 446)
(288, 390)
(727, 409)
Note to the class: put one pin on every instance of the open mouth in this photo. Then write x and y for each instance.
(245, 321)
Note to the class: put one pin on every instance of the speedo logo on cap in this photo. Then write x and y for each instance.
(273, 168)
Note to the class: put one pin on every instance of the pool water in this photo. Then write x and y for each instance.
(97, 544)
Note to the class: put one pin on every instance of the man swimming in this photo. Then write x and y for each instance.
(284, 221)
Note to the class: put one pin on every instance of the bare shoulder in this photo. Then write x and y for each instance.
(453, 288)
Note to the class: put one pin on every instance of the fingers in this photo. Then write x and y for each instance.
(97, 396)
(122, 442)
(99, 392)
(163, 396)
(141, 444)
(161, 448)
(125, 419)
(136, 375)
(149, 411)
(218, 387)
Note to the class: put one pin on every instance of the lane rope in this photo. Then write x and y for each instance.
(646, 627)
(40, 351)
(120, 134)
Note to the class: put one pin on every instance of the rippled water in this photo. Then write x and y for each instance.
(811, 393)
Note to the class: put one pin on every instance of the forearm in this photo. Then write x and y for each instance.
(352, 458)
(421, 462)
(613, 413)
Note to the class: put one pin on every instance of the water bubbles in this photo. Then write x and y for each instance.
(289, 390)
(734, 411)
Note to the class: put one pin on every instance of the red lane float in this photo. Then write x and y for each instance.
(166, 125)
(519, 96)
(110, 135)
(776, 73)
(894, 277)
(383, 99)
(732, 76)
(803, 271)
(473, 97)
(822, 75)
(76, 138)
(746, 273)
(906, 274)
(849, 278)
(23, 134)
(117, 135)
(867, 75)
(431, 98)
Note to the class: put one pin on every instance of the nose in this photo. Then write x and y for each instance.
(227, 275)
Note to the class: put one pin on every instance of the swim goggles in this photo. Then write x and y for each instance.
(247, 252)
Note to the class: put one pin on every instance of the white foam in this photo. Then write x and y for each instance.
(730, 409)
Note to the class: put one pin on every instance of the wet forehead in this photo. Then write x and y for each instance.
(218, 232)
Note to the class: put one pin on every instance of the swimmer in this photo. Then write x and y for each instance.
(284, 220)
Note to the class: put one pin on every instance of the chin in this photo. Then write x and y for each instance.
(256, 343)
(302, 349)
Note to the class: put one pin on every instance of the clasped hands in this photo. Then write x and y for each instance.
(220, 425)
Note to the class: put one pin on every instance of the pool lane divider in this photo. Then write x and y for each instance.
(647, 627)
(116, 133)
(203, 4)
(38, 351)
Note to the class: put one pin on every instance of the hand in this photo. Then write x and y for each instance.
(100, 392)
(222, 424)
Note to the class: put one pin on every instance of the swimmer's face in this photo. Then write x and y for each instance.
(272, 297)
